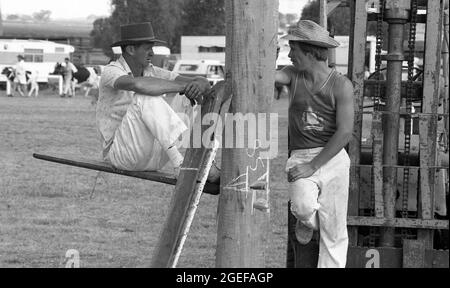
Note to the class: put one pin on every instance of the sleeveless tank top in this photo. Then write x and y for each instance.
(312, 116)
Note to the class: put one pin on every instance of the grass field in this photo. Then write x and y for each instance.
(47, 209)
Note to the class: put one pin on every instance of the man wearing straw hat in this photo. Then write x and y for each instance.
(321, 116)
(139, 129)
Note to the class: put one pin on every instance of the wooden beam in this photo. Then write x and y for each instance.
(187, 193)
(369, 257)
(413, 254)
(96, 165)
(428, 125)
(356, 59)
(398, 223)
(250, 68)
(323, 14)
(332, 5)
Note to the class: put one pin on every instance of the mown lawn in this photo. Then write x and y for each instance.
(47, 209)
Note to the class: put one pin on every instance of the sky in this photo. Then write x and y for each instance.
(61, 9)
(67, 9)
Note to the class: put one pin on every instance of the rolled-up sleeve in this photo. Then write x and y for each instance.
(111, 74)
(164, 74)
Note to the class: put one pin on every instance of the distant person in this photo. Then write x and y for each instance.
(20, 80)
(9, 74)
(69, 70)
(34, 86)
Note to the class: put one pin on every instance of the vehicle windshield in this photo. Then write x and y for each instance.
(215, 71)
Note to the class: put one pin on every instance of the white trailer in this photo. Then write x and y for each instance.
(203, 48)
(40, 56)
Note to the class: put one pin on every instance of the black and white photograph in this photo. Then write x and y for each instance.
(233, 140)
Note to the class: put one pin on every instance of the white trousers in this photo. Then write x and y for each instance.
(320, 202)
(68, 85)
(149, 128)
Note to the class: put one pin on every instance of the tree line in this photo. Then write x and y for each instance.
(171, 19)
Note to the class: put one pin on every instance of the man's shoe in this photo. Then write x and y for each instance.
(303, 233)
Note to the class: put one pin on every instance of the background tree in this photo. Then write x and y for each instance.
(339, 20)
(162, 14)
(42, 16)
(102, 35)
(170, 20)
(203, 17)
(291, 18)
(12, 17)
(282, 20)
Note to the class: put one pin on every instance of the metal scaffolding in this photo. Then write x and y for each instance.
(395, 175)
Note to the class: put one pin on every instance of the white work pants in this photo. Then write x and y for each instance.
(148, 129)
(320, 202)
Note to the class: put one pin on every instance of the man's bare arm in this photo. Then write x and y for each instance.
(149, 85)
(283, 77)
(345, 116)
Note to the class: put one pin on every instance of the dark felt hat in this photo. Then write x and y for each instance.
(137, 33)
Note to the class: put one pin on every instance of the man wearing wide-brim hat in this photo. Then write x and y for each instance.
(139, 129)
(321, 118)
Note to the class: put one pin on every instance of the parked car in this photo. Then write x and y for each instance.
(211, 69)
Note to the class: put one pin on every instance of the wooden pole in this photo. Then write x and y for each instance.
(427, 124)
(323, 21)
(252, 27)
(1, 21)
(357, 52)
(445, 64)
(323, 14)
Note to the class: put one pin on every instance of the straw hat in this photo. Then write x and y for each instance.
(136, 33)
(312, 33)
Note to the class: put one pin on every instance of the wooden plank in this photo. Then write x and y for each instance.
(398, 223)
(356, 60)
(372, 258)
(364, 257)
(193, 205)
(377, 174)
(413, 254)
(90, 164)
(437, 258)
(323, 14)
(81, 162)
(184, 196)
(370, 86)
(428, 125)
(357, 257)
(333, 5)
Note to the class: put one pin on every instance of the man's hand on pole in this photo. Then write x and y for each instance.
(197, 90)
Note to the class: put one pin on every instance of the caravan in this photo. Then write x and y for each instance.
(40, 56)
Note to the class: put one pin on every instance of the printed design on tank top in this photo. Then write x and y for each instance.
(312, 121)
